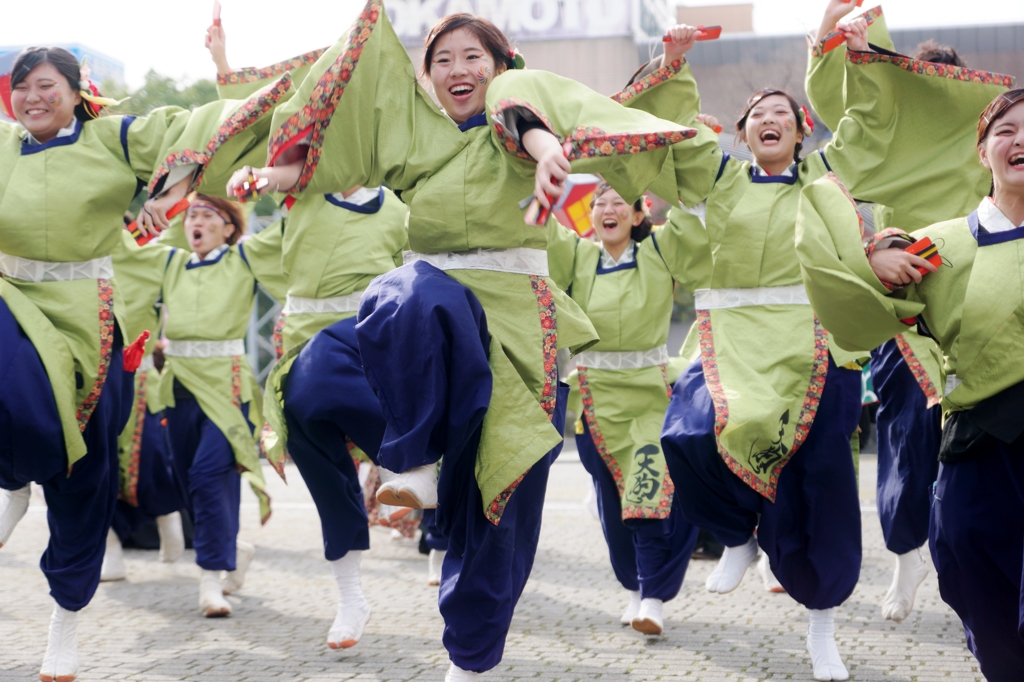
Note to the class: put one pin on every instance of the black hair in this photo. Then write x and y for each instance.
(62, 60)
(931, 51)
(639, 232)
(768, 92)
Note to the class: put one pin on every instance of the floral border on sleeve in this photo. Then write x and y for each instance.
(247, 114)
(658, 77)
(922, 68)
(105, 292)
(818, 49)
(130, 493)
(315, 116)
(919, 372)
(846, 192)
(253, 74)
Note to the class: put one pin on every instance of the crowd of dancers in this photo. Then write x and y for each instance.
(426, 308)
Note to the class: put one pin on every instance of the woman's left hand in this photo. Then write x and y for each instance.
(682, 39)
(856, 33)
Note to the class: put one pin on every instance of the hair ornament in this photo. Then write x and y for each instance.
(91, 94)
(808, 122)
(516, 59)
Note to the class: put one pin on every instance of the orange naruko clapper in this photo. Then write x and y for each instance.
(141, 239)
(704, 33)
(925, 248)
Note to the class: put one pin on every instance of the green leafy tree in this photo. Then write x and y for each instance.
(162, 91)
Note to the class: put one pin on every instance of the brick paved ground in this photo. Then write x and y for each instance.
(566, 627)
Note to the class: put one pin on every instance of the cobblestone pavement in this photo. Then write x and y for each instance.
(565, 628)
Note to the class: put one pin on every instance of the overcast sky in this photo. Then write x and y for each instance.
(168, 36)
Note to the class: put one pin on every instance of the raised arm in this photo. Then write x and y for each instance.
(242, 83)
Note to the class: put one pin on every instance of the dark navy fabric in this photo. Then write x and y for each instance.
(431, 533)
(908, 450)
(327, 398)
(424, 343)
(812, 532)
(80, 504)
(208, 481)
(649, 555)
(977, 544)
(157, 491)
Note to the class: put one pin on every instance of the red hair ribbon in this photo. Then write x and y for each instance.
(808, 121)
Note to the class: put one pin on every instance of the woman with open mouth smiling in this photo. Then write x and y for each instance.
(69, 173)
(973, 306)
(460, 343)
(757, 433)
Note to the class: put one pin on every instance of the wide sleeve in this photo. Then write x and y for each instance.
(360, 118)
(246, 82)
(562, 245)
(262, 252)
(668, 92)
(859, 312)
(825, 81)
(684, 246)
(210, 137)
(140, 274)
(892, 148)
(627, 147)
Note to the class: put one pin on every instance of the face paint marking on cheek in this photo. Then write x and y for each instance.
(55, 99)
(483, 75)
(788, 124)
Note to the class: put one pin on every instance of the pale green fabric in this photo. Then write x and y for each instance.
(66, 203)
(973, 306)
(328, 251)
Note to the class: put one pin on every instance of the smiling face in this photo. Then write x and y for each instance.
(772, 131)
(44, 102)
(614, 219)
(1002, 151)
(460, 71)
(205, 229)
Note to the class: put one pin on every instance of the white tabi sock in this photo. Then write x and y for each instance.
(730, 569)
(13, 505)
(172, 537)
(457, 674)
(649, 620)
(353, 609)
(821, 645)
(416, 488)
(911, 569)
(632, 609)
(771, 583)
(434, 562)
(60, 664)
(113, 567)
(234, 580)
(212, 603)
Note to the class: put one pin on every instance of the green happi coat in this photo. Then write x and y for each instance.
(972, 305)
(330, 250)
(213, 301)
(368, 121)
(63, 202)
(630, 306)
(885, 148)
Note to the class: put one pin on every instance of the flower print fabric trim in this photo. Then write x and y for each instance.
(919, 372)
(247, 114)
(923, 68)
(887, 233)
(853, 202)
(315, 116)
(818, 50)
(252, 74)
(587, 399)
(278, 336)
(549, 394)
(105, 292)
(130, 494)
(649, 81)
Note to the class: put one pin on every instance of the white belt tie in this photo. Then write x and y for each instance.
(718, 299)
(205, 349)
(520, 261)
(623, 359)
(43, 271)
(146, 364)
(298, 305)
(952, 382)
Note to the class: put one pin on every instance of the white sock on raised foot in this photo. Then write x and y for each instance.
(457, 674)
(434, 562)
(60, 663)
(353, 609)
(113, 567)
(821, 645)
(649, 620)
(13, 505)
(911, 569)
(730, 569)
(212, 603)
(771, 583)
(415, 488)
(172, 537)
(634, 608)
(235, 580)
